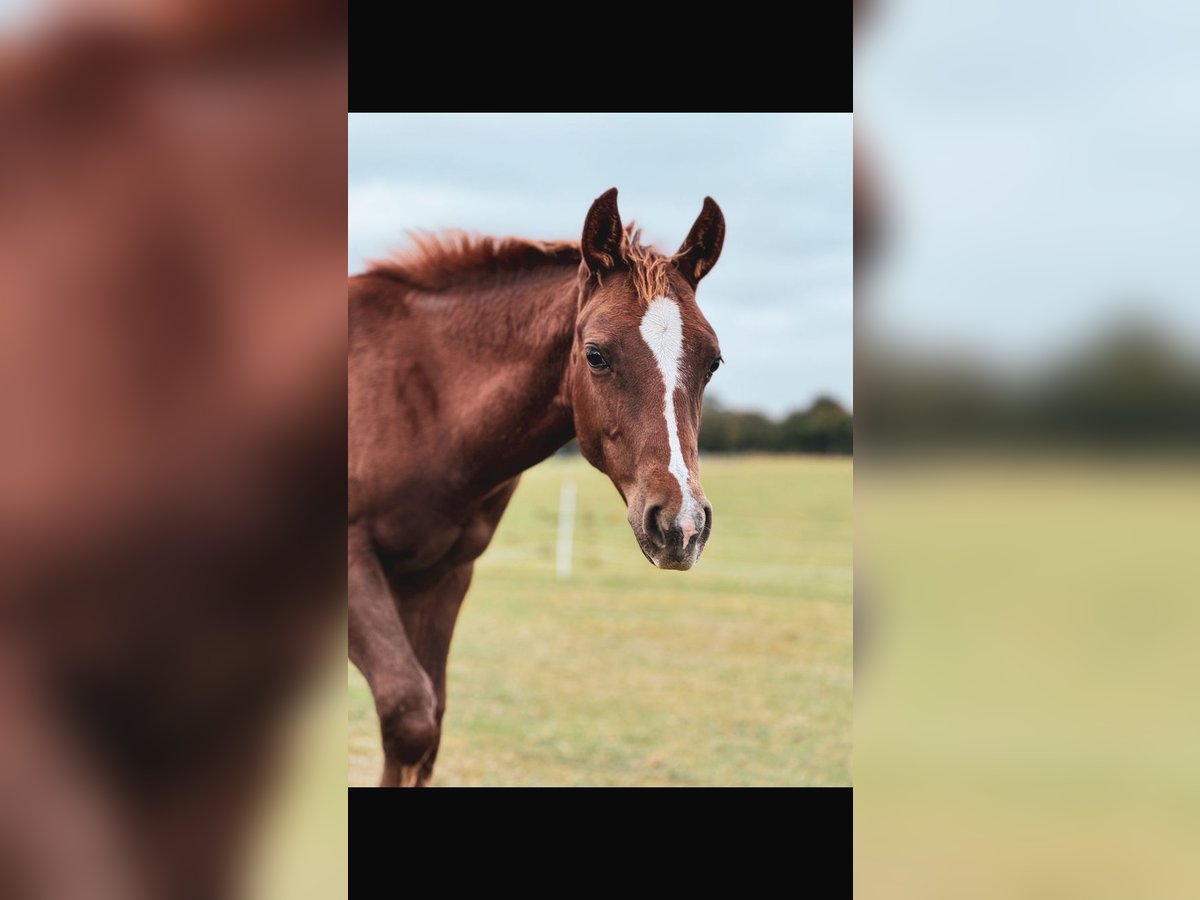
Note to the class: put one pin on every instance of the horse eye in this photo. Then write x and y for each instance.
(596, 359)
(716, 364)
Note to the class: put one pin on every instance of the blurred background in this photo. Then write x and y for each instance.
(172, 409)
(1026, 432)
(738, 672)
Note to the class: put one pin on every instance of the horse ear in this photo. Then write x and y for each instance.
(603, 233)
(701, 248)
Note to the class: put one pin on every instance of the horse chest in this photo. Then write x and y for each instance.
(436, 546)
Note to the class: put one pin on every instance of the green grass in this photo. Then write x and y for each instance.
(738, 672)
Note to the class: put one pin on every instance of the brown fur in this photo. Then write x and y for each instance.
(469, 364)
(171, 335)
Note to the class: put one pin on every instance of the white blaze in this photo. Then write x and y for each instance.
(662, 330)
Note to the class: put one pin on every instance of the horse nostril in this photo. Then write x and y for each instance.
(650, 525)
(707, 518)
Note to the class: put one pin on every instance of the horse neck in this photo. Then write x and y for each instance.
(515, 345)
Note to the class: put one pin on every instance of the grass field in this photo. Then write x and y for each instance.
(1027, 716)
(738, 672)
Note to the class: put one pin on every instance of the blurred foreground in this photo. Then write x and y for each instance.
(172, 407)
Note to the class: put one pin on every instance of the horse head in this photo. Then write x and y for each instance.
(642, 356)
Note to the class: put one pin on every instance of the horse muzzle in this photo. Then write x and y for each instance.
(671, 538)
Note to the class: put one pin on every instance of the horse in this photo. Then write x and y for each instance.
(172, 340)
(471, 360)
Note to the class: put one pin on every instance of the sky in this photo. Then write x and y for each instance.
(1038, 162)
(781, 296)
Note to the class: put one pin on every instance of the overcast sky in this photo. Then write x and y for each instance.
(780, 298)
(1039, 166)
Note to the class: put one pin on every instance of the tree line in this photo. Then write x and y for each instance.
(1131, 387)
(825, 427)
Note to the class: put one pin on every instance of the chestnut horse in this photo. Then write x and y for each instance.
(470, 360)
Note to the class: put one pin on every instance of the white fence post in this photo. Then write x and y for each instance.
(566, 530)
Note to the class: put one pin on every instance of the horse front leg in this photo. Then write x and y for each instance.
(405, 699)
(429, 617)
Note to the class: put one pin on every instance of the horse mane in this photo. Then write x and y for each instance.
(436, 262)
